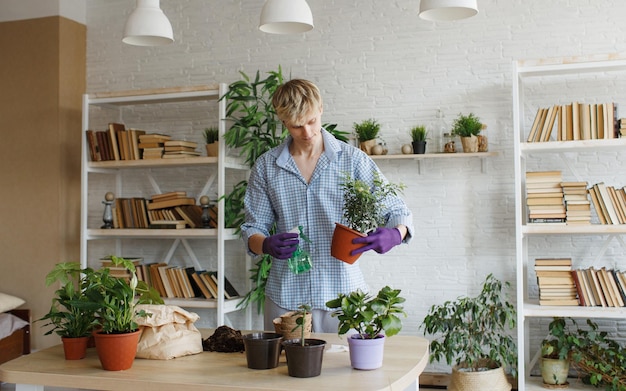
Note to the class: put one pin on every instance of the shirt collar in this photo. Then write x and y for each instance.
(331, 148)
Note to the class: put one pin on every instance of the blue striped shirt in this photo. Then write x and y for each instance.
(277, 193)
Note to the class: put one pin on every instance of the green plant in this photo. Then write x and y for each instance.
(466, 125)
(560, 341)
(363, 206)
(367, 129)
(471, 329)
(68, 316)
(115, 299)
(300, 314)
(419, 133)
(211, 135)
(367, 315)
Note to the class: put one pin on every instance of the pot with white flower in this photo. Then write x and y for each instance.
(362, 212)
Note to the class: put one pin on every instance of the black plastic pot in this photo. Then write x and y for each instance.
(419, 147)
(262, 350)
(304, 361)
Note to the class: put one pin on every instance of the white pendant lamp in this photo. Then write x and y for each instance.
(446, 10)
(147, 25)
(286, 17)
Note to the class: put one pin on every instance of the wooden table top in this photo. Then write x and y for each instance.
(404, 360)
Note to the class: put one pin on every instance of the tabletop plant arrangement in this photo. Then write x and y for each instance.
(211, 137)
(374, 318)
(363, 208)
(115, 299)
(366, 133)
(474, 334)
(69, 317)
(419, 134)
(304, 355)
(467, 127)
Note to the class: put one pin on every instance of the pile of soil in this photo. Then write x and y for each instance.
(224, 339)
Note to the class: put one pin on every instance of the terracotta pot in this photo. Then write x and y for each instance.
(470, 144)
(262, 350)
(554, 371)
(366, 146)
(341, 244)
(212, 149)
(75, 348)
(117, 351)
(366, 354)
(304, 361)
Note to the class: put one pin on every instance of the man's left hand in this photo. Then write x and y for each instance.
(381, 241)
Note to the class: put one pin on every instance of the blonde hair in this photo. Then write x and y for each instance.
(295, 99)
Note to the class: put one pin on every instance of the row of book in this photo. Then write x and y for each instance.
(175, 281)
(559, 284)
(575, 121)
(119, 143)
(168, 210)
(609, 202)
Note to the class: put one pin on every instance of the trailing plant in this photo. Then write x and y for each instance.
(419, 133)
(363, 205)
(68, 315)
(367, 315)
(211, 135)
(472, 329)
(467, 125)
(367, 129)
(300, 314)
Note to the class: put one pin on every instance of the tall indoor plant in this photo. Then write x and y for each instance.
(362, 212)
(373, 318)
(474, 334)
(69, 315)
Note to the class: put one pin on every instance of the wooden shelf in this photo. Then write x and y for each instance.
(229, 162)
(425, 156)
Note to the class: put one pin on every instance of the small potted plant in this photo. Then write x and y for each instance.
(418, 137)
(362, 212)
(211, 137)
(115, 300)
(373, 318)
(467, 127)
(474, 333)
(366, 133)
(555, 352)
(68, 316)
(304, 355)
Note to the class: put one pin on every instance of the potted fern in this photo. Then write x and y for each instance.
(211, 137)
(366, 133)
(374, 318)
(474, 333)
(304, 355)
(362, 213)
(418, 137)
(467, 127)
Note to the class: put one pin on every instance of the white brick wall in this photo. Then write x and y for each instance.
(378, 59)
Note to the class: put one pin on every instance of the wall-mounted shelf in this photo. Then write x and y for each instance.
(428, 156)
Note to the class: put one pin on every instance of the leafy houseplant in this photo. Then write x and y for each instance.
(366, 133)
(419, 135)
(211, 137)
(467, 127)
(555, 352)
(369, 317)
(474, 331)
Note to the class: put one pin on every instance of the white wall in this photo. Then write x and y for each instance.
(30, 9)
(378, 59)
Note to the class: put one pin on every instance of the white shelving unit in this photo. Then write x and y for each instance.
(214, 168)
(525, 152)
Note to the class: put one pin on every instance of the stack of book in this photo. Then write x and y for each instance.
(180, 148)
(577, 204)
(121, 271)
(600, 287)
(555, 281)
(152, 145)
(544, 197)
(609, 203)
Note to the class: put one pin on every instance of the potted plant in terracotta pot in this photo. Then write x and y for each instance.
(467, 127)
(304, 355)
(555, 353)
(418, 137)
(211, 137)
(374, 318)
(68, 315)
(363, 206)
(474, 333)
(115, 300)
(366, 133)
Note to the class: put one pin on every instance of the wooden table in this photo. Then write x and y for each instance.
(405, 359)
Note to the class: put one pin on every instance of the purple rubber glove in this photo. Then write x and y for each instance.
(281, 246)
(381, 241)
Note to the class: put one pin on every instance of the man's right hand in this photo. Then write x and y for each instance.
(281, 246)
